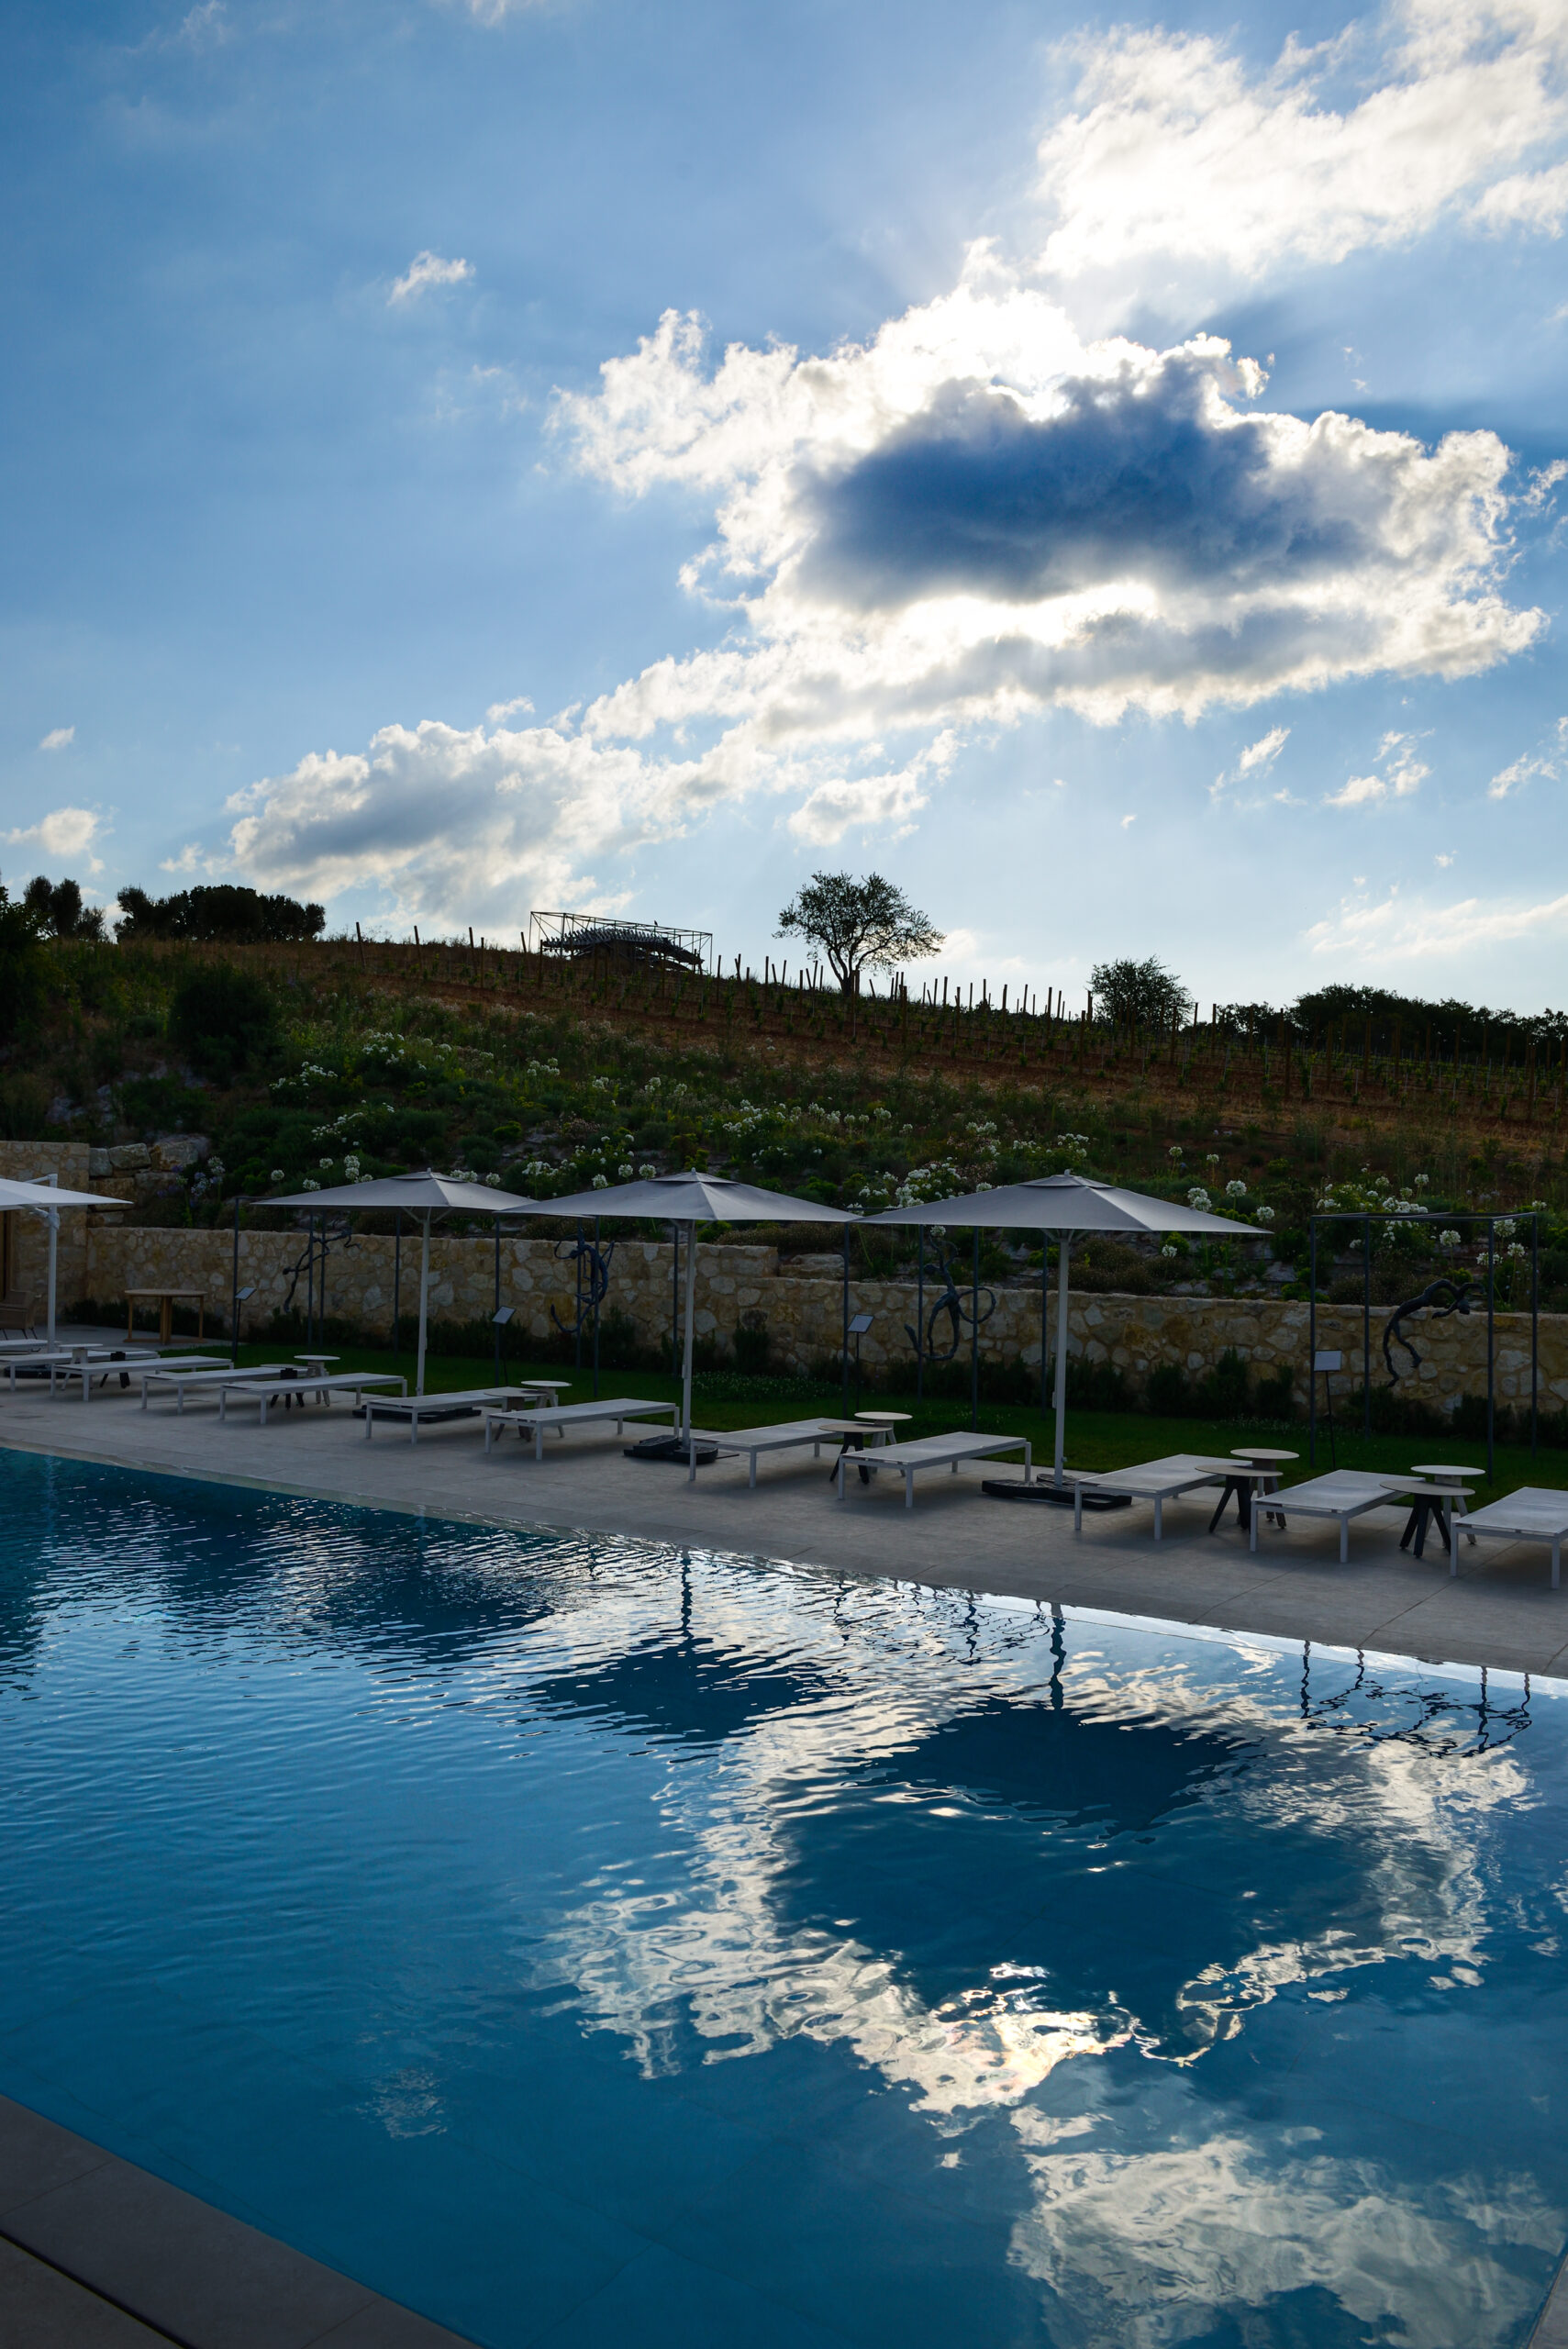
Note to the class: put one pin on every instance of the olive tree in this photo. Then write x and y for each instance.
(1140, 995)
(859, 925)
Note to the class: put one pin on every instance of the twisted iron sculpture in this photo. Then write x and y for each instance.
(1430, 1300)
(593, 1259)
(959, 1309)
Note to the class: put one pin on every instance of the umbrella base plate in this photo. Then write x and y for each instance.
(1015, 1488)
(669, 1447)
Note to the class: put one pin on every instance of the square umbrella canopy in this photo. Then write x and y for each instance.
(46, 1199)
(1065, 1204)
(690, 1200)
(424, 1195)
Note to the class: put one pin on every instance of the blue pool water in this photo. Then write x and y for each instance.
(590, 1944)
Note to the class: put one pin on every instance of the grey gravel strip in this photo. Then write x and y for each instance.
(119, 2258)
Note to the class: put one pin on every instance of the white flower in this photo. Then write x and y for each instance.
(1176, 1152)
(626, 1173)
(1448, 1240)
(601, 1182)
(493, 1180)
(1168, 1252)
(310, 1184)
(1213, 1158)
(1263, 1215)
(1516, 1248)
(324, 1163)
(648, 1173)
(277, 1175)
(1198, 1198)
(1422, 1182)
(1236, 1190)
(1504, 1227)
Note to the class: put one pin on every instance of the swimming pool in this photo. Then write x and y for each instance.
(588, 1942)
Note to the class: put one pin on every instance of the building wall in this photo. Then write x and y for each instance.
(801, 1303)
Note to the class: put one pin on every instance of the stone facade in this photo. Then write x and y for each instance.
(799, 1302)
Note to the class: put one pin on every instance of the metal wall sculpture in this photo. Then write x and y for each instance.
(959, 1309)
(1437, 1299)
(591, 1259)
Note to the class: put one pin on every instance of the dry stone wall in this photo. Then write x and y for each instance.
(800, 1302)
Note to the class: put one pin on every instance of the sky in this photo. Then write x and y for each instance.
(1105, 472)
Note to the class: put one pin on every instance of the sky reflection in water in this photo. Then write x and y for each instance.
(582, 1944)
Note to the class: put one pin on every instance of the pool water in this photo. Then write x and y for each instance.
(588, 1942)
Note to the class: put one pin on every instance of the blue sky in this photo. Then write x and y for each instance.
(1101, 471)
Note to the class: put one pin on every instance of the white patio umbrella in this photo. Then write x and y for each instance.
(424, 1195)
(690, 1200)
(44, 1196)
(1065, 1204)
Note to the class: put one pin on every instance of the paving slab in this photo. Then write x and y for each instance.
(97, 2254)
(1499, 1610)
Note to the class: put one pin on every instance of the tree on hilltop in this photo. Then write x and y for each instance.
(1138, 995)
(859, 925)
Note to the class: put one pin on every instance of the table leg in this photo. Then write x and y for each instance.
(1413, 1526)
(165, 1320)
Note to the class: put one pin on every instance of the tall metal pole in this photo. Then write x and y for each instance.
(1044, 1312)
(691, 1310)
(844, 1349)
(1063, 1256)
(234, 1295)
(1312, 1345)
(974, 1336)
(675, 1299)
(1491, 1340)
(577, 1259)
(496, 1324)
(424, 1300)
(597, 1276)
(397, 1281)
(921, 1319)
(1534, 1334)
(1367, 1326)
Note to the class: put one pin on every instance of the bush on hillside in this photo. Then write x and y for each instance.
(223, 1020)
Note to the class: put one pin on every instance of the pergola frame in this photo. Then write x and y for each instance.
(1367, 1217)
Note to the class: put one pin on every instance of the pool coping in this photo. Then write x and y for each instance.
(120, 2257)
(1071, 1610)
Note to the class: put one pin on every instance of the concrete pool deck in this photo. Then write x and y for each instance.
(1499, 1611)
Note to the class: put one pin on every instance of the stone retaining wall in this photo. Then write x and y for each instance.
(800, 1303)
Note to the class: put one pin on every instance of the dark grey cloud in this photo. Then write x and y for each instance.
(1144, 475)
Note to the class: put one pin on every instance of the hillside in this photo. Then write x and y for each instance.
(370, 1058)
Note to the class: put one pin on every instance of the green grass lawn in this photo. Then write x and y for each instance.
(1095, 1438)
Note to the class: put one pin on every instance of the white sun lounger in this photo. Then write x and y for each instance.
(1344, 1493)
(561, 1415)
(1156, 1480)
(1535, 1513)
(464, 1403)
(324, 1385)
(80, 1362)
(931, 1452)
(749, 1443)
(187, 1378)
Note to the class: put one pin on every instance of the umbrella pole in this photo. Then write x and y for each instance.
(596, 1279)
(1063, 1249)
(691, 1310)
(54, 1268)
(974, 1339)
(1044, 1313)
(424, 1300)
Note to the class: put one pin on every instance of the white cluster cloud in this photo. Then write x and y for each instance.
(1544, 765)
(1407, 929)
(425, 271)
(63, 833)
(1403, 775)
(1174, 147)
(58, 738)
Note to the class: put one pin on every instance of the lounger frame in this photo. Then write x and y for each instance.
(931, 1452)
(561, 1416)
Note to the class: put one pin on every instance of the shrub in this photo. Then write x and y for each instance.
(223, 1020)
